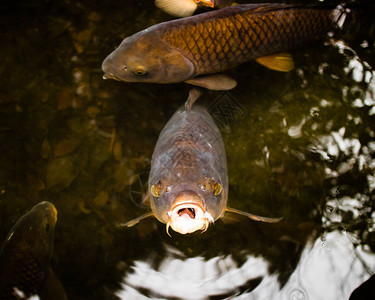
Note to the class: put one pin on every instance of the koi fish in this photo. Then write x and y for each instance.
(185, 8)
(192, 49)
(188, 181)
(26, 254)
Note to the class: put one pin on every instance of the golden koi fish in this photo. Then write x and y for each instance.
(192, 49)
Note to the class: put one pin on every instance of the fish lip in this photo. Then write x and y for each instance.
(110, 76)
(108, 67)
(185, 223)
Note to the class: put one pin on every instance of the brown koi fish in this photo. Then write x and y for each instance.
(185, 8)
(188, 182)
(26, 255)
(188, 49)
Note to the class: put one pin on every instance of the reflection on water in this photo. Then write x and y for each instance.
(300, 145)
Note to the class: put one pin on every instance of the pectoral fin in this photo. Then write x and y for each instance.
(177, 8)
(282, 62)
(213, 82)
(136, 220)
(253, 217)
(146, 199)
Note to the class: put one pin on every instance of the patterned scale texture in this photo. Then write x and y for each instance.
(25, 275)
(218, 43)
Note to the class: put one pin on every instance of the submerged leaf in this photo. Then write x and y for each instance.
(61, 172)
(66, 146)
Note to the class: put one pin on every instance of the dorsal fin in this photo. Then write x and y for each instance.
(194, 94)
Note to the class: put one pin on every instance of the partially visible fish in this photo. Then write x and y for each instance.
(188, 182)
(189, 49)
(185, 8)
(26, 254)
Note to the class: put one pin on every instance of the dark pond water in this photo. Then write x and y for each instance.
(300, 145)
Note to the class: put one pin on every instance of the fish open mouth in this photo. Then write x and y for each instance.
(188, 214)
(189, 211)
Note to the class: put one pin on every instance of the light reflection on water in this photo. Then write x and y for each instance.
(194, 278)
(329, 268)
(301, 147)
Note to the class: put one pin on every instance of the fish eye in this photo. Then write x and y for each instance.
(168, 188)
(217, 188)
(139, 71)
(155, 190)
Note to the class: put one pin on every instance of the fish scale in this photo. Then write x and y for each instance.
(246, 33)
(26, 273)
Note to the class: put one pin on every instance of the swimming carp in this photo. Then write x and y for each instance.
(191, 49)
(184, 8)
(26, 254)
(188, 182)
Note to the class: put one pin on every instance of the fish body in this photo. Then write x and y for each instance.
(188, 179)
(184, 8)
(188, 49)
(26, 255)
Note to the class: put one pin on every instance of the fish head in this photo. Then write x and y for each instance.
(34, 233)
(144, 57)
(187, 205)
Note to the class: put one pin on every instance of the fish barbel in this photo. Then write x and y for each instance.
(188, 181)
(192, 48)
(184, 8)
(26, 254)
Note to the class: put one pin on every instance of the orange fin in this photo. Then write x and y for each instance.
(136, 220)
(208, 3)
(282, 62)
(177, 8)
(253, 217)
(215, 82)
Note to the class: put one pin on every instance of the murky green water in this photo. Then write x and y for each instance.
(299, 145)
